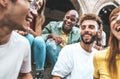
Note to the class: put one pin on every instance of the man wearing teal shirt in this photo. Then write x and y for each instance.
(61, 33)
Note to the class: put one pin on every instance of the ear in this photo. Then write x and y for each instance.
(3, 3)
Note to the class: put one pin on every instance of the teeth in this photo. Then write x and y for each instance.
(118, 29)
(29, 19)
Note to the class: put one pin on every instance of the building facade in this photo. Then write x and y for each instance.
(56, 9)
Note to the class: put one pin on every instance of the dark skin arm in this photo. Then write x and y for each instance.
(57, 38)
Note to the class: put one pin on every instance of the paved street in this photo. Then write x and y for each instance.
(46, 72)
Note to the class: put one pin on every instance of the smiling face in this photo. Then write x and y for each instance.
(16, 14)
(115, 25)
(89, 30)
(90, 25)
(35, 6)
(70, 20)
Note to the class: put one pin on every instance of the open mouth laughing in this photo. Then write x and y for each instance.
(118, 29)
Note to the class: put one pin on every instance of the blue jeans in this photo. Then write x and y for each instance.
(52, 50)
(38, 50)
(30, 38)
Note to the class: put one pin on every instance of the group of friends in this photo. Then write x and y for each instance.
(74, 52)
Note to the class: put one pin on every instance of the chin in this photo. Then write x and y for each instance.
(88, 42)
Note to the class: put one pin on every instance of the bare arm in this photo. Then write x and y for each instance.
(31, 31)
(57, 38)
(25, 76)
(56, 77)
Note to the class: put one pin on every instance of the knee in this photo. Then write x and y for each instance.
(51, 44)
(30, 38)
(39, 41)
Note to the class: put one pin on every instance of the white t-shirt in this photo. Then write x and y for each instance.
(103, 42)
(74, 63)
(15, 57)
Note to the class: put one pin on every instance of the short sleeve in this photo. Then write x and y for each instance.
(26, 65)
(63, 65)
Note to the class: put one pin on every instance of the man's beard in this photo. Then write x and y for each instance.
(7, 22)
(93, 38)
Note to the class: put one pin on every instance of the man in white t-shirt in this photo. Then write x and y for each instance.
(15, 57)
(15, 54)
(75, 61)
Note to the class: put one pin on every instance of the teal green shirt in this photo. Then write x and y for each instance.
(55, 27)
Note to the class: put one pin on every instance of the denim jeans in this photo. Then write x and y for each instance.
(38, 50)
(30, 38)
(52, 50)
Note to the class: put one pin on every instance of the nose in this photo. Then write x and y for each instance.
(86, 29)
(34, 12)
(118, 19)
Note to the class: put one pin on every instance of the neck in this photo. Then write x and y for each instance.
(87, 47)
(66, 31)
(4, 35)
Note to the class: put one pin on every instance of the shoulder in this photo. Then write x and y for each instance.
(55, 22)
(70, 47)
(19, 38)
(100, 55)
(76, 29)
(19, 42)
